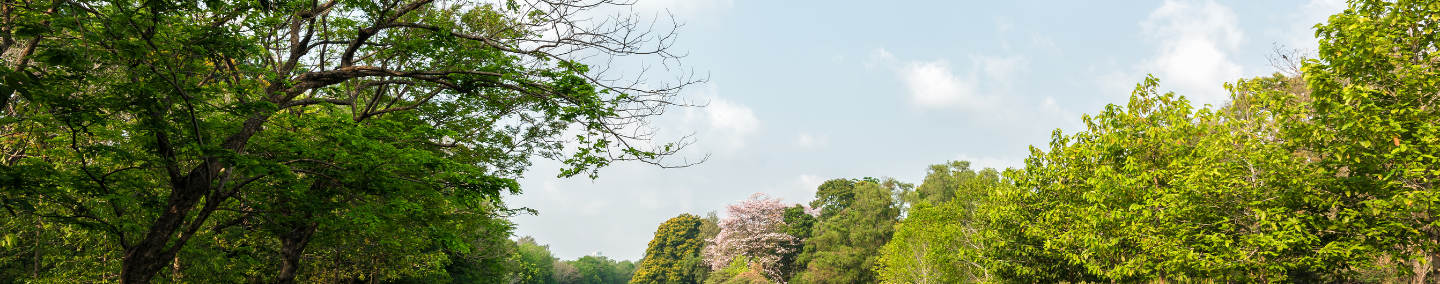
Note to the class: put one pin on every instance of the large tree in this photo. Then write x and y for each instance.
(675, 240)
(171, 132)
(752, 233)
(1371, 117)
(846, 242)
(940, 239)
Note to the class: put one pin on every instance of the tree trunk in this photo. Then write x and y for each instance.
(292, 247)
(153, 253)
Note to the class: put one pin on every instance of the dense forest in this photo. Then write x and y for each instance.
(358, 141)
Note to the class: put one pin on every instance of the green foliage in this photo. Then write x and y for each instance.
(845, 246)
(738, 272)
(1157, 190)
(1371, 123)
(801, 225)
(601, 270)
(535, 264)
(941, 242)
(283, 141)
(675, 240)
(709, 226)
(834, 196)
(941, 182)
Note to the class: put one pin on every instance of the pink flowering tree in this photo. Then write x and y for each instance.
(755, 230)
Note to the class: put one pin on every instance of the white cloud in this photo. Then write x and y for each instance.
(1044, 42)
(734, 121)
(932, 85)
(1003, 24)
(880, 57)
(1194, 38)
(986, 92)
(812, 141)
(725, 121)
(1001, 69)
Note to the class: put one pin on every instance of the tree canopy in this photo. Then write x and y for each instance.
(676, 240)
(325, 141)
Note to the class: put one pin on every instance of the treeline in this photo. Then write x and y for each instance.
(1324, 172)
(838, 238)
(536, 265)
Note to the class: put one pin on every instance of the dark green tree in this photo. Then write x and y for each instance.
(800, 224)
(846, 245)
(270, 141)
(834, 196)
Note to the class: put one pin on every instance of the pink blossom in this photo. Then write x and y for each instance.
(754, 229)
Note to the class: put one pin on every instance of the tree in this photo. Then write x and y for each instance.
(753, 230)
(739, 271)
(833, 196)
(566, 272)
(151, 124)
(675, 240)
(800, 223)
(941, 182)
(1158, 190)
(941, 242)
(1370, 120)
(845, 246)
(536, 265)
(595, 270)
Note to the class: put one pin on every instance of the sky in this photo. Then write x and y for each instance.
(800, 92)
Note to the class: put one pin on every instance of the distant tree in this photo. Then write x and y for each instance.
(709, 226)
(535, 263)
(846, 244)
(624, 271)
(940, 182)
(675, 240)
(755, 230)
(833, 196)
(566, 273)
(595, 269)
(490, 260)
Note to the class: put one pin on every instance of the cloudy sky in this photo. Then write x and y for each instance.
(805, 91)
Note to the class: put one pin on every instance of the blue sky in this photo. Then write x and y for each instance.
(805, 91)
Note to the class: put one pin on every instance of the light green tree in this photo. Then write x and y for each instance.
(535, 263)
(940, 239)
(1370, 120)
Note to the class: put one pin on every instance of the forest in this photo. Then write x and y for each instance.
(358, 141)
